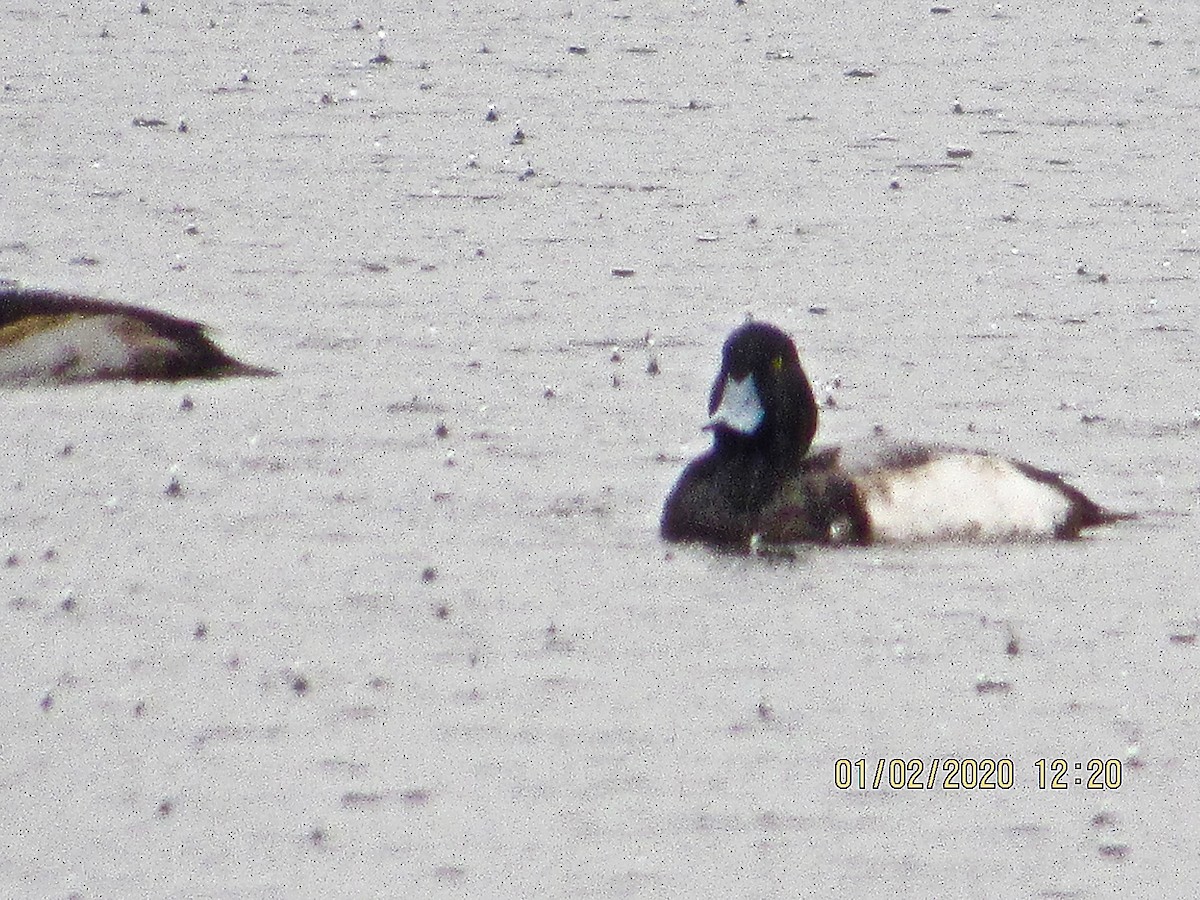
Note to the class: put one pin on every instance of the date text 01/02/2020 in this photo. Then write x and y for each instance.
(968, 774)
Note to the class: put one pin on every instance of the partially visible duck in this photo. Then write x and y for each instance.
(48, 337)
(762, 482)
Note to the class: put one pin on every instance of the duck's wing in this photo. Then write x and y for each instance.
(816, 503)
(915, 492)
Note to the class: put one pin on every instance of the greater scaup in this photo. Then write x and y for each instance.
(49, 337)
(761, 481)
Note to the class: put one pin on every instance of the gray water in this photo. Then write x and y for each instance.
(355, 658)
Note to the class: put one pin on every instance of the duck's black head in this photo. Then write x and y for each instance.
(762, 401)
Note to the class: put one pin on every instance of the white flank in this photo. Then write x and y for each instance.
(740, 408)
(961, 496)
(77, 348)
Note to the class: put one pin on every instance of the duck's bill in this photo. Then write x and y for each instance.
(740, 408)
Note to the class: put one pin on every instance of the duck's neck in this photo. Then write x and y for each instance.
(768, 448)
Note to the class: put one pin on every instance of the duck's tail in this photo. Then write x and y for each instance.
(1086, 513)
(237, 369)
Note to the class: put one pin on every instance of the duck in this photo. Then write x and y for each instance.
(762, 484)
(51, 337)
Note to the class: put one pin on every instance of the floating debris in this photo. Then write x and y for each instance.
(381, 58)
(985, 685)
(416, 797)
(1133, 756)
(555, 641)
(1013, 647)
(828, 390)
(351, 799)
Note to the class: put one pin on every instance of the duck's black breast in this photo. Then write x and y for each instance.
(719, 499)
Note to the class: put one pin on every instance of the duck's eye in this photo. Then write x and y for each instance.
(777, 364)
